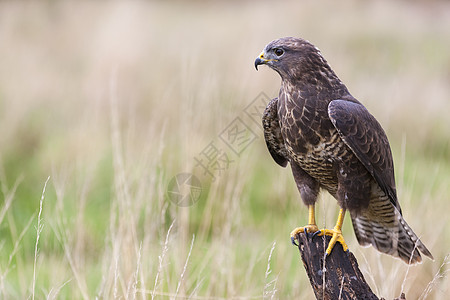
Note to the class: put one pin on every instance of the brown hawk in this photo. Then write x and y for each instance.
(332, 142)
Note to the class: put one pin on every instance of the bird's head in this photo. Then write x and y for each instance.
(291, 57)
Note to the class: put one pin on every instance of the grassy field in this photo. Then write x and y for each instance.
(111, 100)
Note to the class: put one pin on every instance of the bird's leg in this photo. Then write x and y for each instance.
(335, 233)
(310, 228)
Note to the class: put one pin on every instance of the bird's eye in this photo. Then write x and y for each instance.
(278, 51)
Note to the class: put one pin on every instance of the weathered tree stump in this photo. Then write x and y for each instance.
(337, 276)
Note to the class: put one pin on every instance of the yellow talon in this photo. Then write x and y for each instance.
(335, 233)
(336, 236)
(310, 228)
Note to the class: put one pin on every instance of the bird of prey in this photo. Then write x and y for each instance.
(332, 142)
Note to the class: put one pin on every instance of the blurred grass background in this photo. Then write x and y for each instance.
(112, 99)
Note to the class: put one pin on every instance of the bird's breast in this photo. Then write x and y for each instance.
(312, 141)
(322, 161)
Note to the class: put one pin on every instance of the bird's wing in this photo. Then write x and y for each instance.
(272, 133)
(362, 133)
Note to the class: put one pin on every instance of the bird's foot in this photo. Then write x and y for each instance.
(311, 228)
(336, 236)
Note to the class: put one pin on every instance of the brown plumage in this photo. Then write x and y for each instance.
(332, 142)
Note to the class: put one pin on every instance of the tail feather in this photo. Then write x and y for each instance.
(387, 231)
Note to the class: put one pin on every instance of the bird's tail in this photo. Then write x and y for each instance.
(383, 227)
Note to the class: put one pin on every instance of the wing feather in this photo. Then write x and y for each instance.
(362, 133)
(272, 133)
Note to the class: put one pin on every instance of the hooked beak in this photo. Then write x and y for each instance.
(260, 60)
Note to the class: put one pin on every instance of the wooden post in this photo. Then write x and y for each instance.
(339, 271)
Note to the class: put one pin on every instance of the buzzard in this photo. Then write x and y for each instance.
(332, 142)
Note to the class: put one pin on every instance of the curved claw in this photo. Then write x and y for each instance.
(317, 233)
(293, 241)
(306, 229)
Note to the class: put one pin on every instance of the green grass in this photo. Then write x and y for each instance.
(111, 100)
